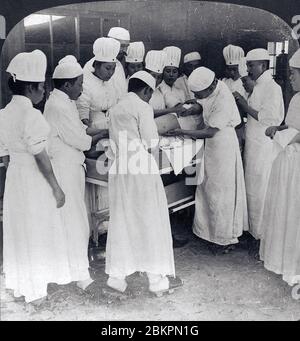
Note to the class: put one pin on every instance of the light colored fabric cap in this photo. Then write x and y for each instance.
(119, 33)
(173, 56)
(233, 54)
(146, 78)
(190, 57)
(200, 79)
(155, 60)
(106, 49)
(257, 54)
(28, 66)
(135, 52)
(67, 68)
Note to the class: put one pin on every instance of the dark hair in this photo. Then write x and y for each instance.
(18, 87)
(58, 83)
(136, 85)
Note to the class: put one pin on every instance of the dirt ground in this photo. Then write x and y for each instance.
(233, 286)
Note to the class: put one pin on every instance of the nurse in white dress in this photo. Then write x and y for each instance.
(220, 202)
(265, 107)
(139, 235)
(32, 230)
(280, 243)
(68, 140)
(191, 61)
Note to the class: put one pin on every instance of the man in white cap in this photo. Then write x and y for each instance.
(31, 225)
(68, 141)
(139, 235)
(265, 107)
(220, 202)
(119, 79)
(191, 61)
(135, 58)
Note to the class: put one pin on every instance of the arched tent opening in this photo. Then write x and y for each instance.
(192, 25)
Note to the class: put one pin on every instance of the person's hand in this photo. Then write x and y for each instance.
(271, 131)
(59, 196)
(179, 110)
(187, 112)
(240, 100)
(191, 101)
(174, 132)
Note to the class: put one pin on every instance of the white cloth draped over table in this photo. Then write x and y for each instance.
(220, 203)
(259, 149)
(33, 238)
(139, 234)
(280, 242)
(68, 140)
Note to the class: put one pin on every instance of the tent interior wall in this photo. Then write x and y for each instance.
(205, 26)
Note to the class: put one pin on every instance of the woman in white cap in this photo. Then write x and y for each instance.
(69, 139)
(264, 108)
(191, 61)
(139, 235)
(155, 62)
(31, 224)
(220, 203)
(135, 58)
(280, 241)
(119, 78)
(97, 97)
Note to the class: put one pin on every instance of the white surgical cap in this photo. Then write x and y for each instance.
(200, 79)
(67, 68)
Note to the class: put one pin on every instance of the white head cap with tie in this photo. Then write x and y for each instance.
(200, 79)
(135, 52)
(67, 68)
(295, 60)
(233, 54)
(119, 33)
(145, 77)
(28, 66)
(173, 55)
(190, 57)
(155, 60)
(106, 49)
(257, 54)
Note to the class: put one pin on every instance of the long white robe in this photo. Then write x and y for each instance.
(68, 140)
(172, 95)
(280, 243)
(139, 234)
(220, 203)
(33, 247)
(259, 149)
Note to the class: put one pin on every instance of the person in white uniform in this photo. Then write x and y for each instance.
(191, 61)
(119, 78)
(32, 229)
(135, 58)
(280, 241)
(234, 56)
(68, 140)
(220, 202)
(139, 235)
(264, 108)
(97, 97)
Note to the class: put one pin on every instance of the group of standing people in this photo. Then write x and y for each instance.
(46, 226)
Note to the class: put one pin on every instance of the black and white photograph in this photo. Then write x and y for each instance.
(150, 162)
